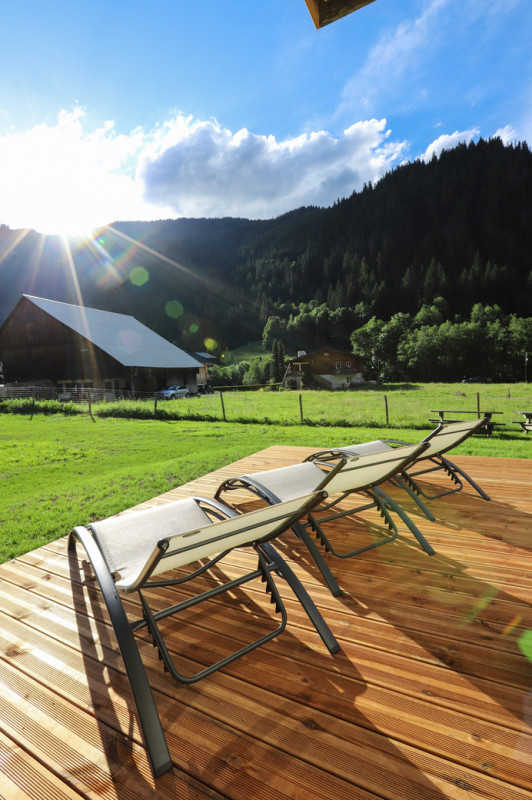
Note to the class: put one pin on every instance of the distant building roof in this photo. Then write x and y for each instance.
(303, 355)
(206, 356)
(121, 336)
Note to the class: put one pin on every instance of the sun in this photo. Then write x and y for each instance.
(55, 216)
(68, 223)
(78, 231)
(75, 230)
(66, 211)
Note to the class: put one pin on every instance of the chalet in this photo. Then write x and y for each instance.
(77, 348)
(332, 369)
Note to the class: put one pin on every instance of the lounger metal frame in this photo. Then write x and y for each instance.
(269, 563)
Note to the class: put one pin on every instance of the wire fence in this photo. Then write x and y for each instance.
(13, 392)
(390, 406)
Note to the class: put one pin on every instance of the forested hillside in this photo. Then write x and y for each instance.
(447, 234)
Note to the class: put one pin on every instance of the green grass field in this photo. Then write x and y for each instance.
(408, 406)
(58, 471)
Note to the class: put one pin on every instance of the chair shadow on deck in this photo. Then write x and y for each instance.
(467, 511)
(105, 675)
(281, 697)
(465, 611)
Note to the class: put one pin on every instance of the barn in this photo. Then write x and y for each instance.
(74, 348)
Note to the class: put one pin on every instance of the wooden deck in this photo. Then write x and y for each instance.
(430, 696)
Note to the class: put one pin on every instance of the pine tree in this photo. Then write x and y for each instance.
(277, 363)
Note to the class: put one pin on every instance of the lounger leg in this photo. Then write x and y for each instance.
(400, 481)
(461, 472)
(303, 596)
(316, 554)
(150, 723)
(406, 519)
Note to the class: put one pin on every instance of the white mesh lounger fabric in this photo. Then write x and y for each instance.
(351, 475)
(440, 441)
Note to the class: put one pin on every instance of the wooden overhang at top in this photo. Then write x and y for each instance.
(325, 11)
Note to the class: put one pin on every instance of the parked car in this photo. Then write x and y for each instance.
(171, 392)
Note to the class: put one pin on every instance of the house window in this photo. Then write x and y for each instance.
(348, 365)
(338, 365)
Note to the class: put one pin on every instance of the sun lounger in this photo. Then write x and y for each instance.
(439, 441)
(362, 474)
(127, 552)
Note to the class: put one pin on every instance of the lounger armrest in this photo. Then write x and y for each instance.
(325, 454)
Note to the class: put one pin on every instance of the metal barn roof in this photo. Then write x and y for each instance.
(119, 335)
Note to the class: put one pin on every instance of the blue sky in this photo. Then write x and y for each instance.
(128, 110)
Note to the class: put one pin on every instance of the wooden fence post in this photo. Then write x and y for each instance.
(386, 410)
(478, 405)
(90, 406)
(301, 408)
(223, 407)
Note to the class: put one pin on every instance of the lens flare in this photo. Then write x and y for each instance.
(479, 605)
(512, 624)
(129, 340)
(525, 644)
(173, 309)
(210, 343)
(139, 276)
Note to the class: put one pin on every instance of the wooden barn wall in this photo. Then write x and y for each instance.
(34, 347)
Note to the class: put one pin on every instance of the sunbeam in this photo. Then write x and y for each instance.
(14, 244)
(88, 342)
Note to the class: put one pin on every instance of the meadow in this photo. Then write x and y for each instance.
(407, 405)
(58, 470)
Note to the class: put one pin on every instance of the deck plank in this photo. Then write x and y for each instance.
(429, 697)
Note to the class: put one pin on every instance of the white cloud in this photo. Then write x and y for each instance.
(394, 56)
(447, 141)
(409, 55)
(507, 134)
(210, 171)
(61, 179)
